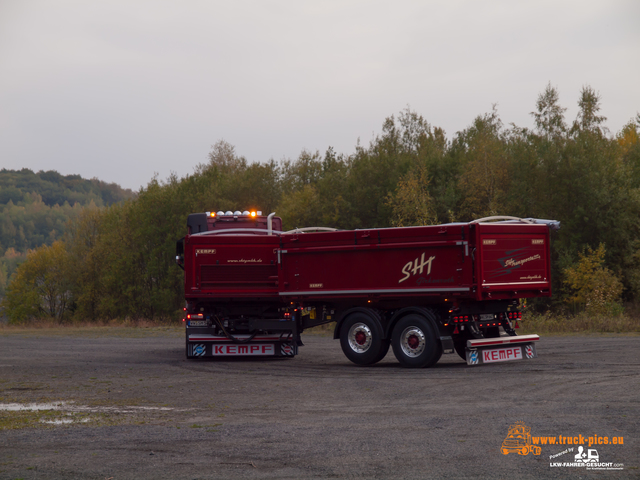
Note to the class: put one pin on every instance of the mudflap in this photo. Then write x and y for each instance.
(201, 349)
(501, 349)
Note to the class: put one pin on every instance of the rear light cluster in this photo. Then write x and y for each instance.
(193, 316)
(489, 324)
(458, 319)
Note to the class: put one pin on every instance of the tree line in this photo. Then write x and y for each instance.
(117, 262)
(35, 209)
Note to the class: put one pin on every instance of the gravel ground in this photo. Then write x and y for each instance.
(136, 408)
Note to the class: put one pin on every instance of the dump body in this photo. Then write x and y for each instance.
(247, 282)
(421, 264)
(394, 265)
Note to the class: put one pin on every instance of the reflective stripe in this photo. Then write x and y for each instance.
(390, 290)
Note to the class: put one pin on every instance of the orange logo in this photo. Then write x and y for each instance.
(519, 440)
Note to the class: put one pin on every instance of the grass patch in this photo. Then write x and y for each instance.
(209, 428)
(126, 329)
(47, 415)
(47, 419)
(324, 330)
(554, 323)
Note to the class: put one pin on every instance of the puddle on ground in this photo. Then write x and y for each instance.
(71, 407)
(31, 407)
(65, 421)
(68, 409)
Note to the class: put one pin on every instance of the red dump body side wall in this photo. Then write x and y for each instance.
(384, 262)
(513, 259)
(467, 261)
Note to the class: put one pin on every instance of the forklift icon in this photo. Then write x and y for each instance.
(519, 440)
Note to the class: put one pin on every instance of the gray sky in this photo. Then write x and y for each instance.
(120, 90)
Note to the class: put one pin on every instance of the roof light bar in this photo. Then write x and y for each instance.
(246, 213)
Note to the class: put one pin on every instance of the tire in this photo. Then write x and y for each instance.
(384, 349)
(361, 339)
(414, 342)
(438, 353)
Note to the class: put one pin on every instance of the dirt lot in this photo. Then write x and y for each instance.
(134, 407)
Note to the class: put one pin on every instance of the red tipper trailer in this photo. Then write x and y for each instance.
(252, 289)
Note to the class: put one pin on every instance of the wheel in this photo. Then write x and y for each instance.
(414, 342)
(361, 340)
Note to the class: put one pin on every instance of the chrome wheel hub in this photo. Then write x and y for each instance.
(360, 337)
(412, 342)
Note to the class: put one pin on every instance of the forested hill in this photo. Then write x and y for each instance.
(35, 208)
(56, 189)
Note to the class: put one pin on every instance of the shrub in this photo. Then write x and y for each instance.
(592, 286)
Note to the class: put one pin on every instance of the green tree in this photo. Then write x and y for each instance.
(588, 119)
(628, 140)
(484, 180)
(549, 114)
(313, 190)
(86, 264)
(374, 172)
(593, 286)
(9, 263)
(411, 203)
(41, 286)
